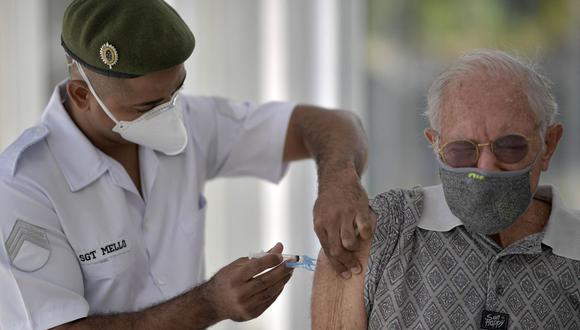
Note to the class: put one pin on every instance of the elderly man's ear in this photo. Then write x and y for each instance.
(431, 136)
(551, 140)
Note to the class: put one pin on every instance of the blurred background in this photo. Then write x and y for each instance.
(375, 57)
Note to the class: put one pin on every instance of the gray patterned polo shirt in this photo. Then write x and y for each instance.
(426, 271)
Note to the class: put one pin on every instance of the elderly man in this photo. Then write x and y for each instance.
(488, 248)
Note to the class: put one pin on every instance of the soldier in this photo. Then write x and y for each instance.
(101, 205)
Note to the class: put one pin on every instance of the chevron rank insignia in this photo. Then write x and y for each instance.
(27, 246)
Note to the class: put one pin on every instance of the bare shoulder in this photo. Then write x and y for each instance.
(338, 303)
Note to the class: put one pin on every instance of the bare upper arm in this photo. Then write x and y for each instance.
(338, 303)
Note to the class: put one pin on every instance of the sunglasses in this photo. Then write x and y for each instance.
(508, 149)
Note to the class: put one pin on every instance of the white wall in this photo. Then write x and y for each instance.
(22, 66)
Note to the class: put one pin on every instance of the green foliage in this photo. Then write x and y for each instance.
(448, 27)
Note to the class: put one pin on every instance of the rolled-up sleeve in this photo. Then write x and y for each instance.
(50, 295)
(240, 138)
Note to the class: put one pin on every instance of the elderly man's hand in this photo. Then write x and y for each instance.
(342, 219)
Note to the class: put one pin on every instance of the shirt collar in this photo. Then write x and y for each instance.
(562, 232)
(80, 162)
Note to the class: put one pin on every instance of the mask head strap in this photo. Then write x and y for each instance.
(99, 101)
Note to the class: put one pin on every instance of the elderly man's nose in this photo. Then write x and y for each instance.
(487, 160)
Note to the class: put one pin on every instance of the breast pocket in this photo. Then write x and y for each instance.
(109, 266)
(193, 222)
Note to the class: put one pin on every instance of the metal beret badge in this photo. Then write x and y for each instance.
(109, 54)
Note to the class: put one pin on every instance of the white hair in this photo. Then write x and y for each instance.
(536, 87)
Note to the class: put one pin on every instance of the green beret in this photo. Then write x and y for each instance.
(125, 38)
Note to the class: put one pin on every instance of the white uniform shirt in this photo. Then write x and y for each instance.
(78, 239)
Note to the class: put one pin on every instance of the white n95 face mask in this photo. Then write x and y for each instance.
(160, 128)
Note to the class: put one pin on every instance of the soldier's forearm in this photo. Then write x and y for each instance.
(191, 310)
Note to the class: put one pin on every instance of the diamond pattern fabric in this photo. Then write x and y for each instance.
(423, 279)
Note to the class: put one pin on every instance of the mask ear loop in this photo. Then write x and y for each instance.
(99, 101)
(436, 148)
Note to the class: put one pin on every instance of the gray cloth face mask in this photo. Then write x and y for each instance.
(486, 202)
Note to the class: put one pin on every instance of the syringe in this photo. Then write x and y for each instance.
(286, 257)
(294, 260)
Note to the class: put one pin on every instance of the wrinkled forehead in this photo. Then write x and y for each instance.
(482, 101)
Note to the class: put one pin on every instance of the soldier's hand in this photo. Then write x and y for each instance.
(342, 219)
(241, 292)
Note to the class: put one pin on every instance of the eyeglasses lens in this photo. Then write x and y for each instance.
(510, 149)
(460, 154)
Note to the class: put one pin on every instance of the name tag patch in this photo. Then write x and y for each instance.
(494, 320)
(104, 252)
